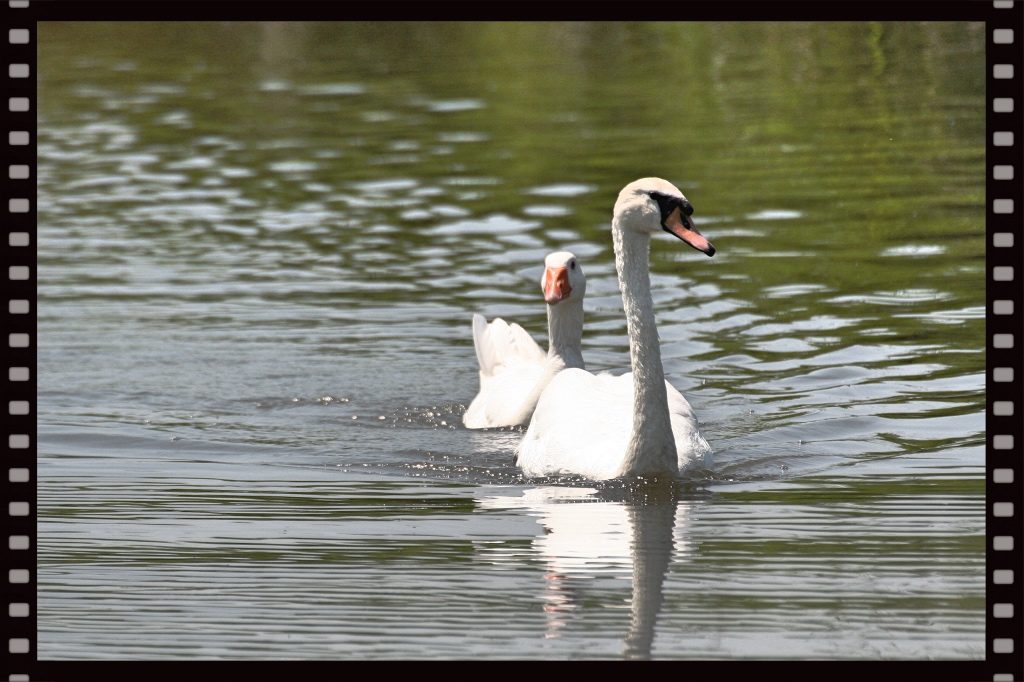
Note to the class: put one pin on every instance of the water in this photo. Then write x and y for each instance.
(260, 247)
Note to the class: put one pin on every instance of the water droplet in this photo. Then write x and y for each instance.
(381, 418)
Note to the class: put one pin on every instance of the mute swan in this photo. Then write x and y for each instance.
(604, 426)
(513, 368)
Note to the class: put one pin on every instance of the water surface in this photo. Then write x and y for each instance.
(260, 246)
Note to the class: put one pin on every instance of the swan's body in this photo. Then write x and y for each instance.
(602, 426)
(561, 441)
(513, 368)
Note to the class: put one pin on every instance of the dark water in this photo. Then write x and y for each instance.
(260, 246)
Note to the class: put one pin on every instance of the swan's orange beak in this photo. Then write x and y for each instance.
(681, 226)
(556, 285)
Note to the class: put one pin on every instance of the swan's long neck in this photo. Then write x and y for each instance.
(651, 446)
(565, 331)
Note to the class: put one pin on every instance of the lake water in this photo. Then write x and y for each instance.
(260, 247)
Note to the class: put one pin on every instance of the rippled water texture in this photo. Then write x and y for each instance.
(260, 246)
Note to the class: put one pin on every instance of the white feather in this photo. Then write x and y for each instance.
(501, 346)
(583, 423)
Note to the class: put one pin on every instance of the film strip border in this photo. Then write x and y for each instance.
(1005, 335)
(20, 323)
(1004, 354)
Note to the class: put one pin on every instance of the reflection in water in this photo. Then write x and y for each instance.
(634, 530)
(652, 522)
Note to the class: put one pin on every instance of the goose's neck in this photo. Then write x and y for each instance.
(565, 332)
(651, 446)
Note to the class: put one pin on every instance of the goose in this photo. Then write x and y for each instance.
(603, 426)
(513, 368)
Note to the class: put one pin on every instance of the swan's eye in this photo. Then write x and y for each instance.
(686, 207)
(572, 264)
(667, 203)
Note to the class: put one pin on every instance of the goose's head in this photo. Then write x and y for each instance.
(650, 205)
(563, 278)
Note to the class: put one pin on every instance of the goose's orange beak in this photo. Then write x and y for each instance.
(556, 285)
(680, 225)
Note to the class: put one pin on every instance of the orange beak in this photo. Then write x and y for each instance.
(681, 226)
(556, 285)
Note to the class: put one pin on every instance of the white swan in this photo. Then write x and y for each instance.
(604, 426)
(513, 368)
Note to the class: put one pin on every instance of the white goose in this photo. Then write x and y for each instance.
(513, 368)
(604, 426)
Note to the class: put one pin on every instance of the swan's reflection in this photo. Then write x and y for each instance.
(590, 533)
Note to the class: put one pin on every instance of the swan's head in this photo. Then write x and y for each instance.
(563, 278)
(649, 205)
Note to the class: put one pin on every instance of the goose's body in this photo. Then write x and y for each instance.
(602, 426)
(513, 368)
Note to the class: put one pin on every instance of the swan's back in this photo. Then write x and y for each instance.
(583, 423)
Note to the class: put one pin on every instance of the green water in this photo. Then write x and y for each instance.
(260, 246)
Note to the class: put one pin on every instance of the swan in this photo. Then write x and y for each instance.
(603, 426)
(513, 368)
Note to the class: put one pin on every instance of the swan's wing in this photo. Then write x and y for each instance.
(691, 448)
(499, 345)
(678, 405)
(581, 425)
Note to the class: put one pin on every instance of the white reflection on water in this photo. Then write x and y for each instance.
(588, 536)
